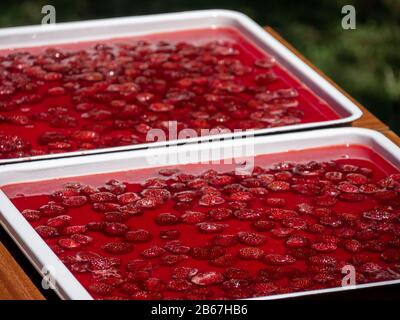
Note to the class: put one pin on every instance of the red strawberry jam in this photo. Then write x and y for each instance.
(111, 93)
(139, 236)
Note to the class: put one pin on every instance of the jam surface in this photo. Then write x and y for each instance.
(110, 93)
(202, 231)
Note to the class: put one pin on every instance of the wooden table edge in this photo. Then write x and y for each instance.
(15, 284)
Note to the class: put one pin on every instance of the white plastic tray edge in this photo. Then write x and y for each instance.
(68, 287)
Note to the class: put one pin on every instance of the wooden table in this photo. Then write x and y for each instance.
(18, 279)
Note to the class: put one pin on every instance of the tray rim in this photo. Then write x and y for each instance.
(255, 33)
(39, 254)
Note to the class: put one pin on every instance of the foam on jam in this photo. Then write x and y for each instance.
(109, 93)
(202, 232)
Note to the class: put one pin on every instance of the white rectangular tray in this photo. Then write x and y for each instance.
(62, 33)
(68, 286)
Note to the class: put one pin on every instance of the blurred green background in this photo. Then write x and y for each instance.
(365, 61)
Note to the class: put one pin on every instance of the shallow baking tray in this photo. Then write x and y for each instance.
(68, 287)
(64, 33)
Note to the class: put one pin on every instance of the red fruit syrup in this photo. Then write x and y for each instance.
(110, 93)
(200, 231)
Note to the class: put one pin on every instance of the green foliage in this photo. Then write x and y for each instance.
(365, 61)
